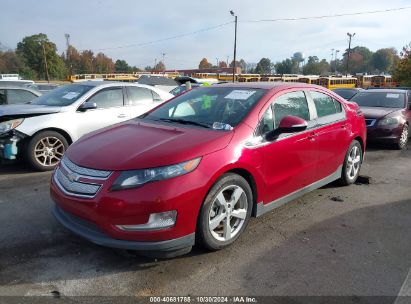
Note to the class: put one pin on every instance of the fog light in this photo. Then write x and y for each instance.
(156, 221)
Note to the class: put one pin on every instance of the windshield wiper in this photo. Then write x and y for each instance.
(185, 122)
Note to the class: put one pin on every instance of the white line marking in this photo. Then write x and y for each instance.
(405, 290)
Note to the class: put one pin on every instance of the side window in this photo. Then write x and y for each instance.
(139, 95)
(294, 104)
(267, 122)
(325, 105)
(108, 98)
(2, 97)
(19, 96)
(156, 97)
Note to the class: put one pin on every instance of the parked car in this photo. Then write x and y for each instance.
(387, 114)
(161, 82)
(17, 95)
(200, 165)
(42, 130)
(43, 87)
(182, 88)
(347, 93)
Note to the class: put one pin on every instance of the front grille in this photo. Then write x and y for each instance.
(79, 181)
(85, 171)
(370, 122)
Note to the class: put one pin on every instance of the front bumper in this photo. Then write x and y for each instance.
(384, 133)
(93, 234)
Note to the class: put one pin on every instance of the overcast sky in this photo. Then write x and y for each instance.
(104, 24)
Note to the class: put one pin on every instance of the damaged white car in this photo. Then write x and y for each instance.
(41, 131)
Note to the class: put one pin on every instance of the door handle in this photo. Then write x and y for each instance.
(344, 126)
(121, 116)
(312, 136)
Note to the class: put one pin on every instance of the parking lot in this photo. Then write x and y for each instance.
(334, 241)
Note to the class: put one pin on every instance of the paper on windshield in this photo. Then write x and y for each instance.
(71, 95)
(240, 94)
(391, 95)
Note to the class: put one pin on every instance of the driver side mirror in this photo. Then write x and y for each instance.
(87, 106)
(289, 124)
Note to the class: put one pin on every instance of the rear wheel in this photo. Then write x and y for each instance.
(45, 150)
(352, 163)
(403, 140)
(225, 212)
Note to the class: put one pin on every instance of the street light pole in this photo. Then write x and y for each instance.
(235, 43)
(349, 49)
(45, 61)
(335, 61)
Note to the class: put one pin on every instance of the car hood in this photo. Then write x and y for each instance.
(26, 110)
(139, 145)
(376, 112)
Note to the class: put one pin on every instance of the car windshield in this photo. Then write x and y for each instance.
(218, 108)
(346, 93)
(62, 96)
(380, 99)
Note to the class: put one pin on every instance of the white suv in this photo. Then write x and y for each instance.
(42, 130)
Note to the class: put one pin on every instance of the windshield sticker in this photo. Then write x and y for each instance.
(390, 95)
(240, 94)
(71, 95)
(222, 126)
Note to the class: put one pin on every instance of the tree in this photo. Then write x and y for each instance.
(402, 71)
(160, 66)
(87, 64)
(204, 64)
(222, 64)
(316, 67)
(284, 67)
(121, 66)
(32, 49)
(11, 63)
(263, 66)
(383, 60)
(104, 64)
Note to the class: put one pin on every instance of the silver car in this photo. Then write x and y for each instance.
(42, 130)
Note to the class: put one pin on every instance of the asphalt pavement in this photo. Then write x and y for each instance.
(335, 241)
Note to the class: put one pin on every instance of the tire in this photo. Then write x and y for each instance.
(403, 140)
(352, 164)
(218, 206)
(45, 150)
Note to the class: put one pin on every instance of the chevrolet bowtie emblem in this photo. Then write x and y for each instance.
(72, 177)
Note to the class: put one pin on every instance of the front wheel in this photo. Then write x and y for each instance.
(45, 150)
(352, 163)
(225, 212)
(403, 140)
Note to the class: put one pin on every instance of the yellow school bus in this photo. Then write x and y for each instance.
(382, 81)
(335, 82)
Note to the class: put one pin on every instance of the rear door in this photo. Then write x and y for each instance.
(290, 161)
(17, 96)
(110, 110)
(332, 132)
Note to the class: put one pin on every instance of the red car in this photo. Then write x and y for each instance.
(196, 168)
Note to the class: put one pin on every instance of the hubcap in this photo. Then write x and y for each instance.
(48, 151)
(228, 213)
(404, 136)
(353, 162)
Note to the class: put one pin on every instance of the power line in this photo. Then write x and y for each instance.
(328, 16)
(166, 39)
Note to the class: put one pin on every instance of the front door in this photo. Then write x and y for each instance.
(289, 162)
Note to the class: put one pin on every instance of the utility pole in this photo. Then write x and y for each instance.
(217, 62)
(335, 60)
(349, 49)
(45, 61)
(235, 42)
(164, 62)
(67, 36)
(332, 56)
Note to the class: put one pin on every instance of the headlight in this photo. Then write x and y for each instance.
(137, 178)
(10, 125)
(389, 121)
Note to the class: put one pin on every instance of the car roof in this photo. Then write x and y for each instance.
(387, 90)
(267, 85)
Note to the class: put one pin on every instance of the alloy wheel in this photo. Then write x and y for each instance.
(228, 213)
(353, 162)
(48, 151)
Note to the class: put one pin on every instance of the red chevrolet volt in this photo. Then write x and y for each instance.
(196, 168)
